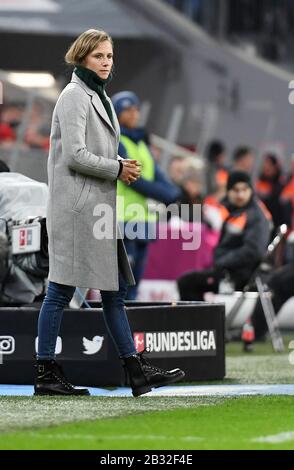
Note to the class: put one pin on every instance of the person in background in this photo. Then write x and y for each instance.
(12, 114)
(37, 133)
(287, 197)
(177, 168)
(281, 284)
(217, 170)
(191, 186)
(7, 132)
(216, 173)
(152, 184)
(269, 187)
(243, 242)
(243, 160)
(192, 193)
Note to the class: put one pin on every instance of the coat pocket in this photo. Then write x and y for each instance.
(82, 195)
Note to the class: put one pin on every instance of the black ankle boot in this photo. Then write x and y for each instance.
(143, 375)
(51, 380)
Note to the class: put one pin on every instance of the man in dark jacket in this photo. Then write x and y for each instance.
(281, 284)
(243, 242)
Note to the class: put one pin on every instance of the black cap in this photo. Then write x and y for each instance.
(238, 177)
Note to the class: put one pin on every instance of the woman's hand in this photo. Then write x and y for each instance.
(131, 171)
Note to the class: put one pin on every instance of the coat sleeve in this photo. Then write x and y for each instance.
(72, 114)
(255, 242)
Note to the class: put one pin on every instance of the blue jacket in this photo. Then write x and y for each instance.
(161, 188)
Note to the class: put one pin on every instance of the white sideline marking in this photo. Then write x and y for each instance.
(220, 390)
(170, 391)
(94, 437)
(276, 438)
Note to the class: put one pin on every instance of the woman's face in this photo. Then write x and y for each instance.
(100, 60)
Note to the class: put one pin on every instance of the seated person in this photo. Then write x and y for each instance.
(281, 283)
(243, 242)
(269, 187)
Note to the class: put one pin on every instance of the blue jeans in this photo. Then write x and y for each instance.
(137, 251)
(58, 297)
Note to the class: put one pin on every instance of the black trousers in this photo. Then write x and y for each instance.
(193, 285)
(281, 283)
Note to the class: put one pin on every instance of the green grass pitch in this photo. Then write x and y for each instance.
(161, 423)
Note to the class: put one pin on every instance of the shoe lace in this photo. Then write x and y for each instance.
(61, 378)
(58, 375)
(146, 363)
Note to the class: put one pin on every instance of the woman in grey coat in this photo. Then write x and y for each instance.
(85, 246)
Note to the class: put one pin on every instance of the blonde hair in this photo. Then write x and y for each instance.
(84, 45)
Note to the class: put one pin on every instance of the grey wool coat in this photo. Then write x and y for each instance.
(85, 246)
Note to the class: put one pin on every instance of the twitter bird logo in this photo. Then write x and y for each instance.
(94, 345)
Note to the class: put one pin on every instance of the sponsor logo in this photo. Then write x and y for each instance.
(93, 346)
(58, 348)
(139, 340)
(177, 343)
(25, 237)
(7, 345)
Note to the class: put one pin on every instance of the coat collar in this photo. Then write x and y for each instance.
(98, 105)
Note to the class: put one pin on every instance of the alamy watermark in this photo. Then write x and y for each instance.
(157, 222)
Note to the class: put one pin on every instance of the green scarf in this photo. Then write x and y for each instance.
(97, 84)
